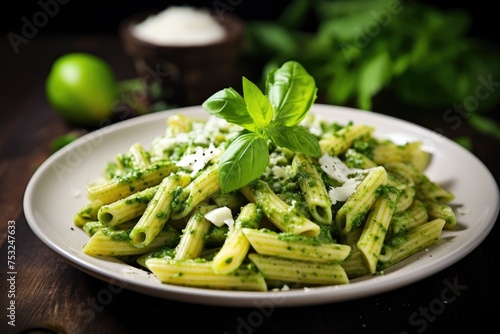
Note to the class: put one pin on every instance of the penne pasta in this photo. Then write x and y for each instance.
(359, 208)
(314, 190)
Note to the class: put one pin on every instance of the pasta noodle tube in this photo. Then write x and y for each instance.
(374, 231)
(109, 242)
(201, 274)
(139, 156)
(158, 210)
(425, 189)
(236, 245)
(355, 159)
(344, 138)
(127, 208)
(178, 123)
(287, 218)
(402, 245)
(355, 264)
(354, 210)
(415, 215)
(403, 181)
(119, 187)
(202, 187)
(286, 270)
(266, 242)
(444, 211)
(88, 213)
(412, 153)
(194, 235)
(314, 190)
(233, 201)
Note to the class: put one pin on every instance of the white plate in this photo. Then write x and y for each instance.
(57, 191)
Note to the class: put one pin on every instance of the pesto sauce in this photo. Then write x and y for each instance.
(365, 147)
(162, 215)
(111, 170)
(136, 174)
(298, 201)
(251, 222)
(216, 236)
(359, 219)
(117, 235)
(179, 199)
(289, 237)
(398, 239)
(92, 227)
(86, 211)
(164, 252)
(353, 160)
(139, 199)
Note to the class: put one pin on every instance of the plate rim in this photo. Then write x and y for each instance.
(292, 298)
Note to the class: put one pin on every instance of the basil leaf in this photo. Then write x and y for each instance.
(296, 139)
(229, 105)
(244, 160)
(485, 125)
(291, 91)
(258, 105)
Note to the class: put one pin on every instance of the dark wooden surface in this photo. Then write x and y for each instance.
(53, 296)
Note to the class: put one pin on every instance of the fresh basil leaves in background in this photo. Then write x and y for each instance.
(271, 117)
(358, 49)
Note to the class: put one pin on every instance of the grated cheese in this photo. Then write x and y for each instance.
(180, 25)
(198, 160)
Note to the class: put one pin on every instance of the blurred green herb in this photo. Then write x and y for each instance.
(65, 139)
(358, 49)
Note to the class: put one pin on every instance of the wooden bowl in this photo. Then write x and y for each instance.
(187, 75)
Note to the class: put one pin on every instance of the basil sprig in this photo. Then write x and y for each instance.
(271, 117)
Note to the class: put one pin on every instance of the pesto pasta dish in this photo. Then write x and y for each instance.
(262, 195)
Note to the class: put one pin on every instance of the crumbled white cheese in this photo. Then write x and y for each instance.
(277, 158)
(180, 25)
(338, 170)
(279, 172)
(168, 143)
(197, 161)
(202, 133)
(221, 216)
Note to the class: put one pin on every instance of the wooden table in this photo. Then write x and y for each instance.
(54, 297)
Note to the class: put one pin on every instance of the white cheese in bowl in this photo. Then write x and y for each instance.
(180, 26)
